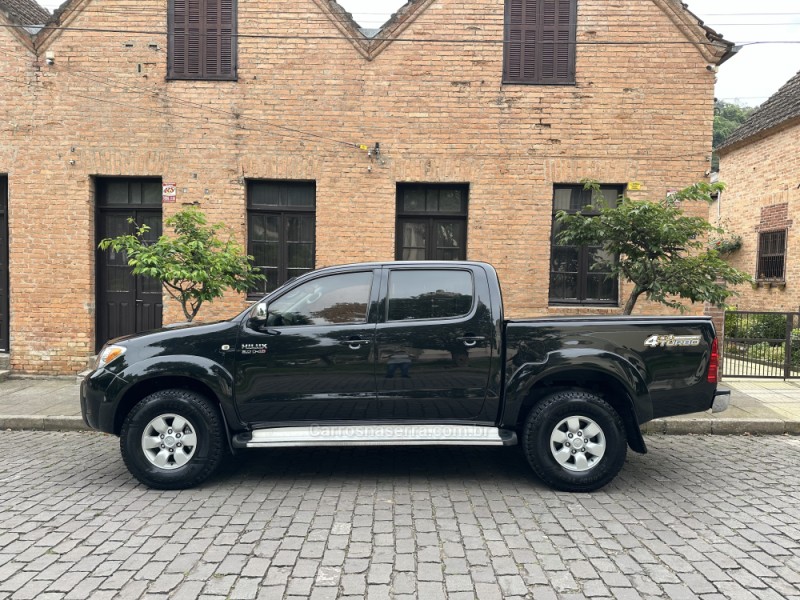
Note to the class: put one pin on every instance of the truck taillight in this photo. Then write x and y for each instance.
(713, 364)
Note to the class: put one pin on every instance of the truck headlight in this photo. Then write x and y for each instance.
(109, 354)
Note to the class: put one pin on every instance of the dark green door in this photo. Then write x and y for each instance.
(4, 320)
(126, 304)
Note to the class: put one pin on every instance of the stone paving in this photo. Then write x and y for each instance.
(699, 516)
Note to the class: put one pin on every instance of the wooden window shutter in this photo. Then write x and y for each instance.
(202, 39)
(540, 41)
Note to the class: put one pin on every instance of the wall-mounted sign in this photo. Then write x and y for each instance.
(169, 192)
(634, 186)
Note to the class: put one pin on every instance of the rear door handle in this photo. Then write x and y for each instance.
(354, 344)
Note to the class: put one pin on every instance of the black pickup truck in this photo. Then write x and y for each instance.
(404, 353)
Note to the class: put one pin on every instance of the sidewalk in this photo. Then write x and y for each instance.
(758, 406)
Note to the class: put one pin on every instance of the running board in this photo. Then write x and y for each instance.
(376, 435)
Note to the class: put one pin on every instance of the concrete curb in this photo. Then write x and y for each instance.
(657, 426)
(722, 426)
(38, 423)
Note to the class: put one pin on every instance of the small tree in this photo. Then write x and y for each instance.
(193, 265)
(656, 247)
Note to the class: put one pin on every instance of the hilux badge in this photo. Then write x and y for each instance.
(254, 348)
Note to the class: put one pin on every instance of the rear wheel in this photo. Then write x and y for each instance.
(574, 441)
(172, 439)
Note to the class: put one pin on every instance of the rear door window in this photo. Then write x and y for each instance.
(429, 294)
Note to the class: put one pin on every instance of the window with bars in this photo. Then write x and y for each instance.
(580, 274)
(539, 42)
(431, 222)
(202, 39)
(281, 223)
(772, 256)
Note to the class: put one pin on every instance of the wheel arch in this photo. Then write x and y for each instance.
(145, 387)
(608, 387)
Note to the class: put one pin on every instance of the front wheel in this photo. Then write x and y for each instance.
(574, 441)
(172, 439)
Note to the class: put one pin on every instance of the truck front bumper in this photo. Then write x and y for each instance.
(722, 400)
(97, 407)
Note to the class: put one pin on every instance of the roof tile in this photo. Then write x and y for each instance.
(25, 12)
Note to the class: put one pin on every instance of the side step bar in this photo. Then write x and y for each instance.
(376, 435)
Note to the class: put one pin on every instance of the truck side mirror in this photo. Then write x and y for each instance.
(260, 313)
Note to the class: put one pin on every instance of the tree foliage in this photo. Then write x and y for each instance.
(656, 247)
(193, 265)
(728, 116)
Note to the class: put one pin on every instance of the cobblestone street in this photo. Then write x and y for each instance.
(709, 517)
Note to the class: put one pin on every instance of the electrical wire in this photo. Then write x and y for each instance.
(415, 40)
(401, 148)
(161, 94)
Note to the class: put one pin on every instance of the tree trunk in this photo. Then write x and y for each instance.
(637, 291)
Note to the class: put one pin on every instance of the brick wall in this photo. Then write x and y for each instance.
(637, 113)
(762, 195)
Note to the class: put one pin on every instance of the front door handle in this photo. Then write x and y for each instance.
(355, 344)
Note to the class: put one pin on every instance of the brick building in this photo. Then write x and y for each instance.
(455, 131)
(760, 163)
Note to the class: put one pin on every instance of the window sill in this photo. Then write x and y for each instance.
(233, 79)
(769, 283)
(530, 83)
(577, 307)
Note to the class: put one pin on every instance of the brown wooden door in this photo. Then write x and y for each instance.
(126, 304)
(4, 320)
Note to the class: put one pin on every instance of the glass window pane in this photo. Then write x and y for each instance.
(611, 195)
(300, 195)
(257, 230)
(414, 199)
(334, 299)
(449, 234)
(151, 192)
(299, 228)
(429, 294)
(296, 194)
(271, 284)
(413, 254)
(450, 240)
(565, 259)
(301, 256)
(600, 288)
(116, 191)
(600, 261)
(450, 201)
(563, 286)
(561, 199)
(432, 200)
(413, 240)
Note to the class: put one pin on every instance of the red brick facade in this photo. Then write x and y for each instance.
(762, 196)
(637, 112)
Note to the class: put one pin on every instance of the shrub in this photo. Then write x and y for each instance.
(766, 352)
(755, 326)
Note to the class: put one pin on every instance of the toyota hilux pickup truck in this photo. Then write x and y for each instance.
(399, 353)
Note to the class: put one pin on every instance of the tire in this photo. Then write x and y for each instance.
(173, 439)
(563, 459)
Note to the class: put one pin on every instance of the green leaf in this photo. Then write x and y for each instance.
(193, 265)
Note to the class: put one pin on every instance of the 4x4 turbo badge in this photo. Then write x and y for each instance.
(669, 341)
